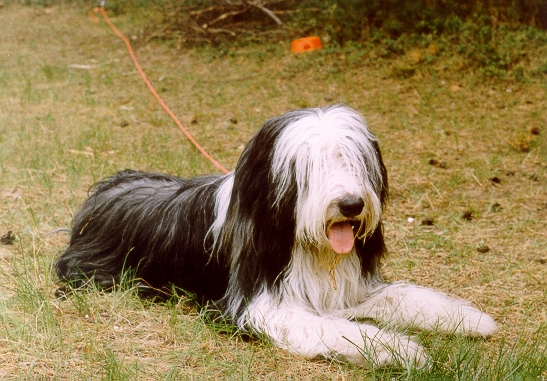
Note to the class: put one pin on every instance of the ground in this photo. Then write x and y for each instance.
(466, 156)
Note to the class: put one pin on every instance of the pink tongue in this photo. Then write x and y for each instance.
(341, 237)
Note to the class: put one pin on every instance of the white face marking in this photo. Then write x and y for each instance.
(331, 155)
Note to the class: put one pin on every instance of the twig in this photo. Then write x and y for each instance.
(220, 30)
(197, 28)
(201, 11)
(258, 4)
(225, 15)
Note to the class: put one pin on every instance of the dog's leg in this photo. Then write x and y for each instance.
(309, 335)
(408, 305)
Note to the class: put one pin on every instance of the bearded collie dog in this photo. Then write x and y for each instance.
(287, 245)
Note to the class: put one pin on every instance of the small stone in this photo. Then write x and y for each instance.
(483, 249)
(437, 163)
(8, 238)
(428, 222)
(496, 207)
(467, 215)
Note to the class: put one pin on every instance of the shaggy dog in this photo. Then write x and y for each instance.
(288, 244)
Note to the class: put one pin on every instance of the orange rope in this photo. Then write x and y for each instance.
(153, 91)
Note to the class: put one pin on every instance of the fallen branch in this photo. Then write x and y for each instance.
(227, 14)
(201, 11)
(258, 4)
(221, 30)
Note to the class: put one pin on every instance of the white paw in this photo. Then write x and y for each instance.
(384, 349)
(394, 350)
(475, 323)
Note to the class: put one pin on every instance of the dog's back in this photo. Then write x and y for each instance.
(153, 226)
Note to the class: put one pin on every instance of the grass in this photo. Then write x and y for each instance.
(64, 126)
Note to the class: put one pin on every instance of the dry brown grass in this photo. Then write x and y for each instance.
(63, 127)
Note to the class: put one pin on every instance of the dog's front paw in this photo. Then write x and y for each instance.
(395, 350)
(385, 349)
(472, 322)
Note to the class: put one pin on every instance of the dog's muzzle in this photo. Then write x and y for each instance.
(351, 206)
(341, 233)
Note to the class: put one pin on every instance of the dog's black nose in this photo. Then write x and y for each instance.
(351, 206)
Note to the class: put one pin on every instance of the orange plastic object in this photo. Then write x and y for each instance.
(306, 44)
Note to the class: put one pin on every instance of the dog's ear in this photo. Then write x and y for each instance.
(371, 250)
(259, 232)
(382, 189)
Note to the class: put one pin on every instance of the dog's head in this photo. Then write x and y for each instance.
(336, 165)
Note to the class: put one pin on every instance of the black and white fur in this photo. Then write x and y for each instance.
(256, 241)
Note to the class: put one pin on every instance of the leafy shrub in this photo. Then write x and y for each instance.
(491, 34)
(351, 19)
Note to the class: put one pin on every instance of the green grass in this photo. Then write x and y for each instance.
(63, 128)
